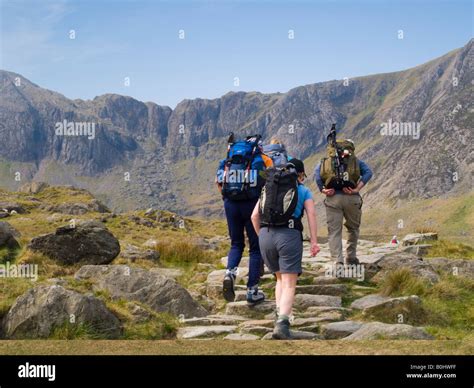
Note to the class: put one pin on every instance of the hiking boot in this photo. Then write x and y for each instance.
(282, 330)
(255, 296)
(228, 286)
(352, 261)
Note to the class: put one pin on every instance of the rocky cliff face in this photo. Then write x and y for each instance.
(169, 155)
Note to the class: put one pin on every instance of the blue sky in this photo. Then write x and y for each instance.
(223, 40)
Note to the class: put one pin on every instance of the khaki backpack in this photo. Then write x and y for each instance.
(348, 173)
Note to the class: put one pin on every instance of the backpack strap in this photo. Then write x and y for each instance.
(230, 142)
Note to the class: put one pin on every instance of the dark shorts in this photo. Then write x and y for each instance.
(282, 249)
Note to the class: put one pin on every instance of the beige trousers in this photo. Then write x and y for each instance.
(338, 208)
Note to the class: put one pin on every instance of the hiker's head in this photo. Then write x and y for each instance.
(275, 140)
(299, 167)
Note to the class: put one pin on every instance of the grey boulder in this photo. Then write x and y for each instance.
(378, 330)
(160, 293)
(40, 310)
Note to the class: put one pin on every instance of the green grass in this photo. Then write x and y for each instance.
(70, 331)
(447, 306)
(10, 289)
(224, 347)
(401, 282)
(8, 255)
(451, 249)
(452, 217)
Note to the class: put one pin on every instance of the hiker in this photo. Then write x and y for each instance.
(343, 200)
(240, 182)
(276, 151)
(277, 221)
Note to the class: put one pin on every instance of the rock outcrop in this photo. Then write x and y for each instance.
(8, 235)
(88, 242)
(42, 309)
(160, 293)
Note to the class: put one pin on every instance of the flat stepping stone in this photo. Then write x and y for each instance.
(241, 337)
(204, 331)
(329, 316)
(314, 328)
(303, 301)
(373, 258)
(212, 320)
(298, 322)
(246, 310)
(296, 335)
(323, 289)
(357, 287)
(325, 280)
(336, 330)
(256, 330)
(240, 296)
(258, 322)
(368, 301)
(379, 330)
(384, 249)
(316, 310)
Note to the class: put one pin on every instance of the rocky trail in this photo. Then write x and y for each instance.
(95, 284)
(324, 304)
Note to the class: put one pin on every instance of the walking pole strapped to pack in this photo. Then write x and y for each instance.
(230, 141)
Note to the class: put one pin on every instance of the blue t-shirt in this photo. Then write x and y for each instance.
(303, 194)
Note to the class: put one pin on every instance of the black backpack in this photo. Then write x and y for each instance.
(279, 198)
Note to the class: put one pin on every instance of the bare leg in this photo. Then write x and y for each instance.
(288, 288)
(278, 290)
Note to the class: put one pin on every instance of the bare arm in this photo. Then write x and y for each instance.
(256, 218)
(313, 229)
(218, 184)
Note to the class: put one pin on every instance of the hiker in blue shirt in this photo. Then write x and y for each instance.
(282, 249)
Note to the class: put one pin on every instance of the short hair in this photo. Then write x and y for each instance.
(275, 140)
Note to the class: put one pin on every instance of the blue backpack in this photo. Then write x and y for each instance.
(277, 153)
(241, 172)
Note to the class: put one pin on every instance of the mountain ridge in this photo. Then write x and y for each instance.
(170, 154)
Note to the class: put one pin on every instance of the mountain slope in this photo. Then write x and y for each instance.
(144, 154)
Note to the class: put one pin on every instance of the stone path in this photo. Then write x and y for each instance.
(322, 304)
